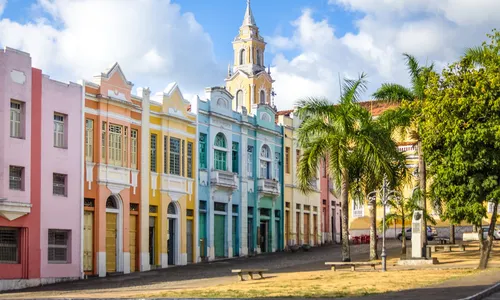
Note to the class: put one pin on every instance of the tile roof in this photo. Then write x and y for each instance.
(377, 107)
(285, 112)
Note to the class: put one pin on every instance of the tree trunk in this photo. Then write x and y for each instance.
(452, 234)
(487, 244)
(344, 196)
(373, 230)
(403, 234)
(423, 188)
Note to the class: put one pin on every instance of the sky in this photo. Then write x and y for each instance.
(310, 43)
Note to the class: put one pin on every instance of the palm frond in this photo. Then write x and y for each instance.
(353, 88)
(476, 54)
(392, 92)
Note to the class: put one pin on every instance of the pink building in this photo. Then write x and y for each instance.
(41, 156)
(330, 208)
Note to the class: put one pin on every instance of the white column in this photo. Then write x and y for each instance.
(144, 207)
(211, 224)
(243, 215)
(252, 96)
(229, 226)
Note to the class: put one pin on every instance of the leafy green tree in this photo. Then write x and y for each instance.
(347, 136)
(461, 137)
(411, 98)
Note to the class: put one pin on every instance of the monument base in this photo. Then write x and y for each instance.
(418, 261)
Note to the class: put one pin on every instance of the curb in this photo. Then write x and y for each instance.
(485, 293)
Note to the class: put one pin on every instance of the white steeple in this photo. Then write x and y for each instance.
(249, 19)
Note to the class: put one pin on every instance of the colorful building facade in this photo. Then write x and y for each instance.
(303, 216)
(139, 177)
(40, 175)
(240, 195)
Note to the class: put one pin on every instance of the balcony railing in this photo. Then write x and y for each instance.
(269, 186)
(224, 179)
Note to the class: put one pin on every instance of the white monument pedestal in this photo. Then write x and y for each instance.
(417, 239)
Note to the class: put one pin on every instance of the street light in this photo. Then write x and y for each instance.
(386, 195)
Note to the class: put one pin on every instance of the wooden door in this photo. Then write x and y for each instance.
(297, 227)
(306, 229)
(203, 234)
(287, 227)
(189, 240)
(133, 242)
(88, 241)
(235, 235)
(111, 242)
(315, 225)
(219, 236)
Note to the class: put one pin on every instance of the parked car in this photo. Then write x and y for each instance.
(431, 233)
(496, 232)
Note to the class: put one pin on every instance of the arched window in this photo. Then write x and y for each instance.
(242, 56)
(265, 117)
(239, 98)
(265, 162)
(262, 97)
(258, 58)
(171, 209)
(111, 203)
(220, 153)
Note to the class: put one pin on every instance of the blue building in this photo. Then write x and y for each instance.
(240, 171)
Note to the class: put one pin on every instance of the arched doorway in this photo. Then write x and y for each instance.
(114, 235)
(173, 234)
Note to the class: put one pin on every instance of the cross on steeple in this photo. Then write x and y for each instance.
(248, 20)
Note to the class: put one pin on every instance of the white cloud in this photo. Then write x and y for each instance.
(151, 39)
(436, 31)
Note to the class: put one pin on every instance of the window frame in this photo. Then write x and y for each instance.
(190, 159)
(60, 130)
(153, 143)
(287, 160)
(16, 245)
(16, 125)
(54, 245)
(134, 133)
(175, 156)
(202, 144)
(19, 178)
(63, 185)
(235, 157)
(89, 140)
(250, 151)
(115, 144)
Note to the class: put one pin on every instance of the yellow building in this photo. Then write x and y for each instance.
(172, 169)
(248, 80)
(302, 211)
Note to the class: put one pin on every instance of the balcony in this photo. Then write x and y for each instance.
(269, 187)
(224, 179)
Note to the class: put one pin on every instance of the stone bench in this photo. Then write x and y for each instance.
(446, 248)
(249, 272)
(353, 265)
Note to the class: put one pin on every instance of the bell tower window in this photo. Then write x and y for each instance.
(242, 56)
(239, 98)
(262, 97)
(259, 62)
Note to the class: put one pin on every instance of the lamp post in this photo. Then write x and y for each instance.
(386, 194)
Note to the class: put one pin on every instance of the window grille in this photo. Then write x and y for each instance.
(9, 245)
(89, 140)
(16, 178)
(175, 156)
(153, 153)
(133, 149)
(58, 246)
(190, 160)
(59, 184)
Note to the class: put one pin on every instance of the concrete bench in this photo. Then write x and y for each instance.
(442, 240)
(250, 272)
(353, 265)
(446, 248)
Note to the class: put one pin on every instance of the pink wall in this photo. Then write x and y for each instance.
(59, 212)
(16, 83)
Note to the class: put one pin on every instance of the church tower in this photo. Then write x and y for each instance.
(248, 80)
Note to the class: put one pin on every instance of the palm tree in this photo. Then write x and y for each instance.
(402, 212)
(345, 135)
(415, 95)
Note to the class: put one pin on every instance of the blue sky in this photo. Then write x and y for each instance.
(310, 42)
